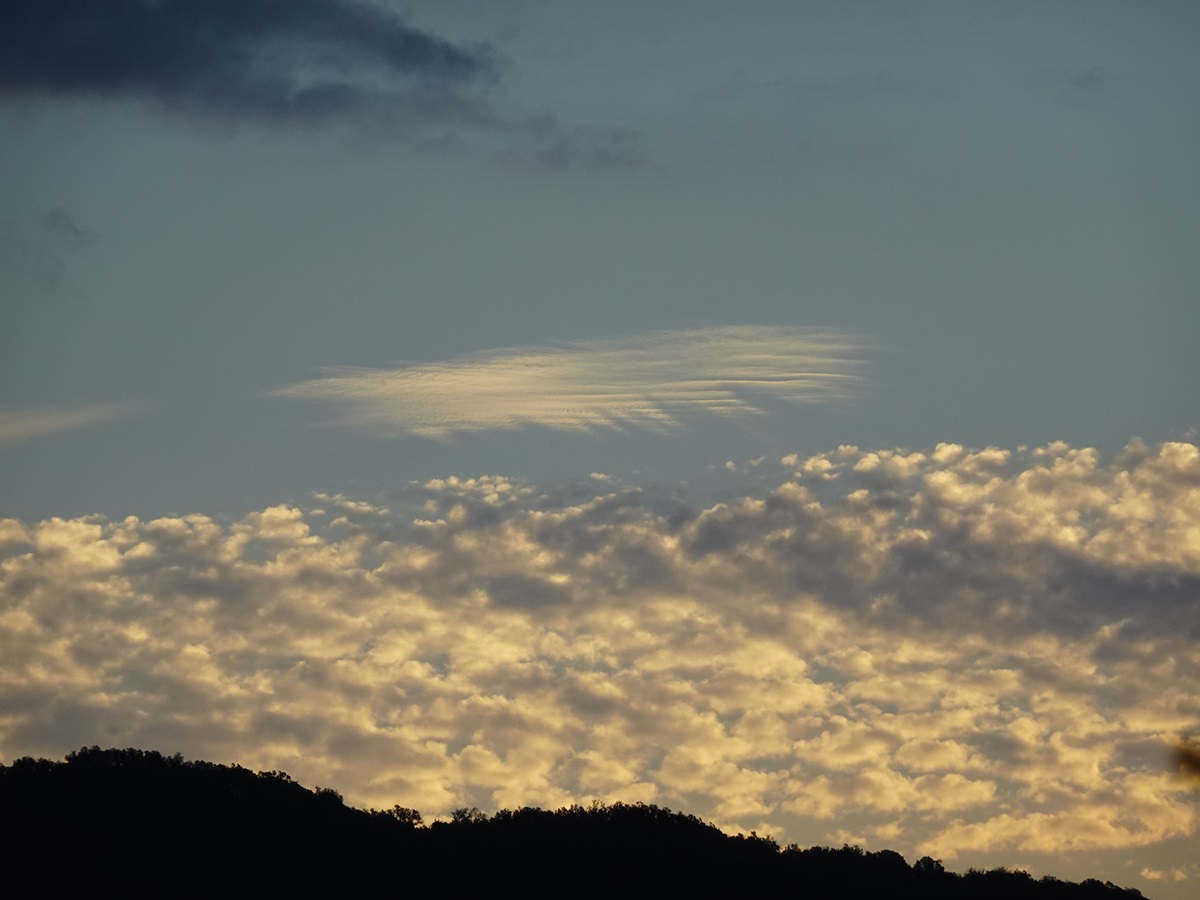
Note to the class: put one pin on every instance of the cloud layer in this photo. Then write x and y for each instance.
(652, 381)
(952, 652)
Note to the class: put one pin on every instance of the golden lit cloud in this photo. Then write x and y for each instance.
(649, 381)
(947, 651)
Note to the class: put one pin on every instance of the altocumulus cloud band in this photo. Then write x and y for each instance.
(950, 651)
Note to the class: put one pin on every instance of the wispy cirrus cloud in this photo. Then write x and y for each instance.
(20, 425)
(650, 381)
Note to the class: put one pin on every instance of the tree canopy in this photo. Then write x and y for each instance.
(137, 823)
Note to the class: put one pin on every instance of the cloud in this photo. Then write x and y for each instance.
(295, 60)
(548, 143)
(1092, 81)
(652, 381)
(1176, 873)
(1186, 756)
(62, 226)
(785, 662)
(857, 86)
(20, 425)
(291, 63)
(35, 255)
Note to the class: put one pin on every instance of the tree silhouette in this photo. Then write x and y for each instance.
(135, 823)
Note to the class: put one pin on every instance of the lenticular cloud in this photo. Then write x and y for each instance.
(649, 381)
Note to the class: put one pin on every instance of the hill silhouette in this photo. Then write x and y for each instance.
(136, 823)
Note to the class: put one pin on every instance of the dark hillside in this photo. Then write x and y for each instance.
(135, 823)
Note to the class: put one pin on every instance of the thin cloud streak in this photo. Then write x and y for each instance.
(20, 425)
(649, 381)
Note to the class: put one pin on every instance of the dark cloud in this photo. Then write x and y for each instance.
(853, 86)
(296, 59)
(35, 256)
(290, 62)
(63, 227)
(845, 87)
(547, 143)
(1091, 80)
(1187, 758)
(521, 592)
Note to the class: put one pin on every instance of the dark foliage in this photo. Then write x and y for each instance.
(135, 823)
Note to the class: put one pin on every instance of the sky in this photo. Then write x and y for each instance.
(784, 413)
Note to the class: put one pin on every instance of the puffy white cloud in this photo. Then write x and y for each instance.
(1176, 873)
(647, 381)
(953, 651)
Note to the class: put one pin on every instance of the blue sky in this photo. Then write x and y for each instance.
(300, 257)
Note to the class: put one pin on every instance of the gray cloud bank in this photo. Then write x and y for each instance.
(649, 381)
(295, 59)
(946, 652)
